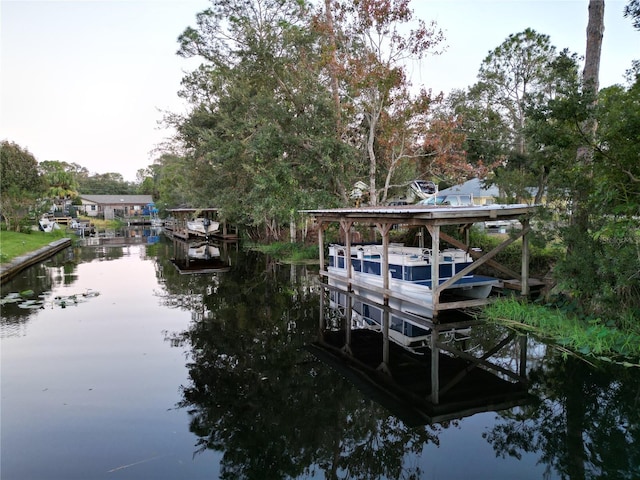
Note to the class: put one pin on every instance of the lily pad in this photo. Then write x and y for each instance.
(30, 305)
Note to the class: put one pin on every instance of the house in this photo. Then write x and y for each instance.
(481, 195)
(110, 207)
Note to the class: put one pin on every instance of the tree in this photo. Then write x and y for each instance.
(520, 75)
(110, 183)
(259, 138)
(514, 73)
(60, 181)
(369, 59)
(590, 85)
(20, 183)
(632, 10)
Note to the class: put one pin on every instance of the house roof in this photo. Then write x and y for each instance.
(118, 199)
(474, 187)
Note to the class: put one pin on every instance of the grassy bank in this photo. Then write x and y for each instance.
(290, 252)
(589, 337)
(14, 244)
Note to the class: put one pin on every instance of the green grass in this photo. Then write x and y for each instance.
(290, 252)
(593, 337)
(14, 244)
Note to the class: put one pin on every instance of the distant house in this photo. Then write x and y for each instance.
(484, 195)
(110, 207)
(481, 195)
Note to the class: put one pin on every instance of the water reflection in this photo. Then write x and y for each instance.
(202, 256)
(426, 371)
(274, 411)
(254, 402)
(585, 426)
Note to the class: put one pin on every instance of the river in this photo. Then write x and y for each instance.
(123, 361)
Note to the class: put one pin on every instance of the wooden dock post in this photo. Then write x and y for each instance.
(434, 230)
(525, 257)
(384, 229)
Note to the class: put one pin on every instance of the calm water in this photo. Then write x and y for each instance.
(122, 367)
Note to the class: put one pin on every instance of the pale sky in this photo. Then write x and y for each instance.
(86, 81)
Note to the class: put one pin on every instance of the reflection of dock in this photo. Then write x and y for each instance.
(134, 235)
(200, 257)
(445, 382)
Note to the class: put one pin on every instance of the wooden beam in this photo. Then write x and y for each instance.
(525, 258)
(321, 244)
(346, 225)
(478, 255)
(434, 231)
(384, 229)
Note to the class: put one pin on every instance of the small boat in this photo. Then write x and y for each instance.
(202, 227)
(47, 225)
(409, 275)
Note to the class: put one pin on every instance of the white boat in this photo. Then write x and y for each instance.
(202, 227)
(409, 275)
(47, 225)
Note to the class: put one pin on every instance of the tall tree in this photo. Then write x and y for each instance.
(590, 85)
(377, 38)
(20, 183)
(260, 136)
(515, 72)
(60, 181)
(520, 75)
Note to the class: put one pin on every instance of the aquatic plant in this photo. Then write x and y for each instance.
(586, 336)
(62, 301)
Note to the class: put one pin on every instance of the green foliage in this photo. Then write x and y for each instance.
(260, 137)
(60, 180)
(20, 184)
(589, 336)
(290, 252)
(543, 254)
(105, 184)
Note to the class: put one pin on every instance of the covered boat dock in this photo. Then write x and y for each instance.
(433, 218)
(180, 217)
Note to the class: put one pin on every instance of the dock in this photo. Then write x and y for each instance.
(180, 216)
(446, 381)
(432, 218)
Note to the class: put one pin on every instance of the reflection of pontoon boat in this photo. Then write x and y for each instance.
(409, 275)
(404, 329)
(202, 226)
(203, 251)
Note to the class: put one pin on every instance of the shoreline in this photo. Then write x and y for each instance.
(10, 269)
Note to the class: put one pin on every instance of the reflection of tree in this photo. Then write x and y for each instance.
(257, 395)
(587, 425)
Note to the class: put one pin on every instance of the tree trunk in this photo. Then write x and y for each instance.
(590, 84)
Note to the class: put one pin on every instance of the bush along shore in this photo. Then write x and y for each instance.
(560, 323)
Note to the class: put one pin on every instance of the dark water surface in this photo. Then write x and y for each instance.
(122, 367)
